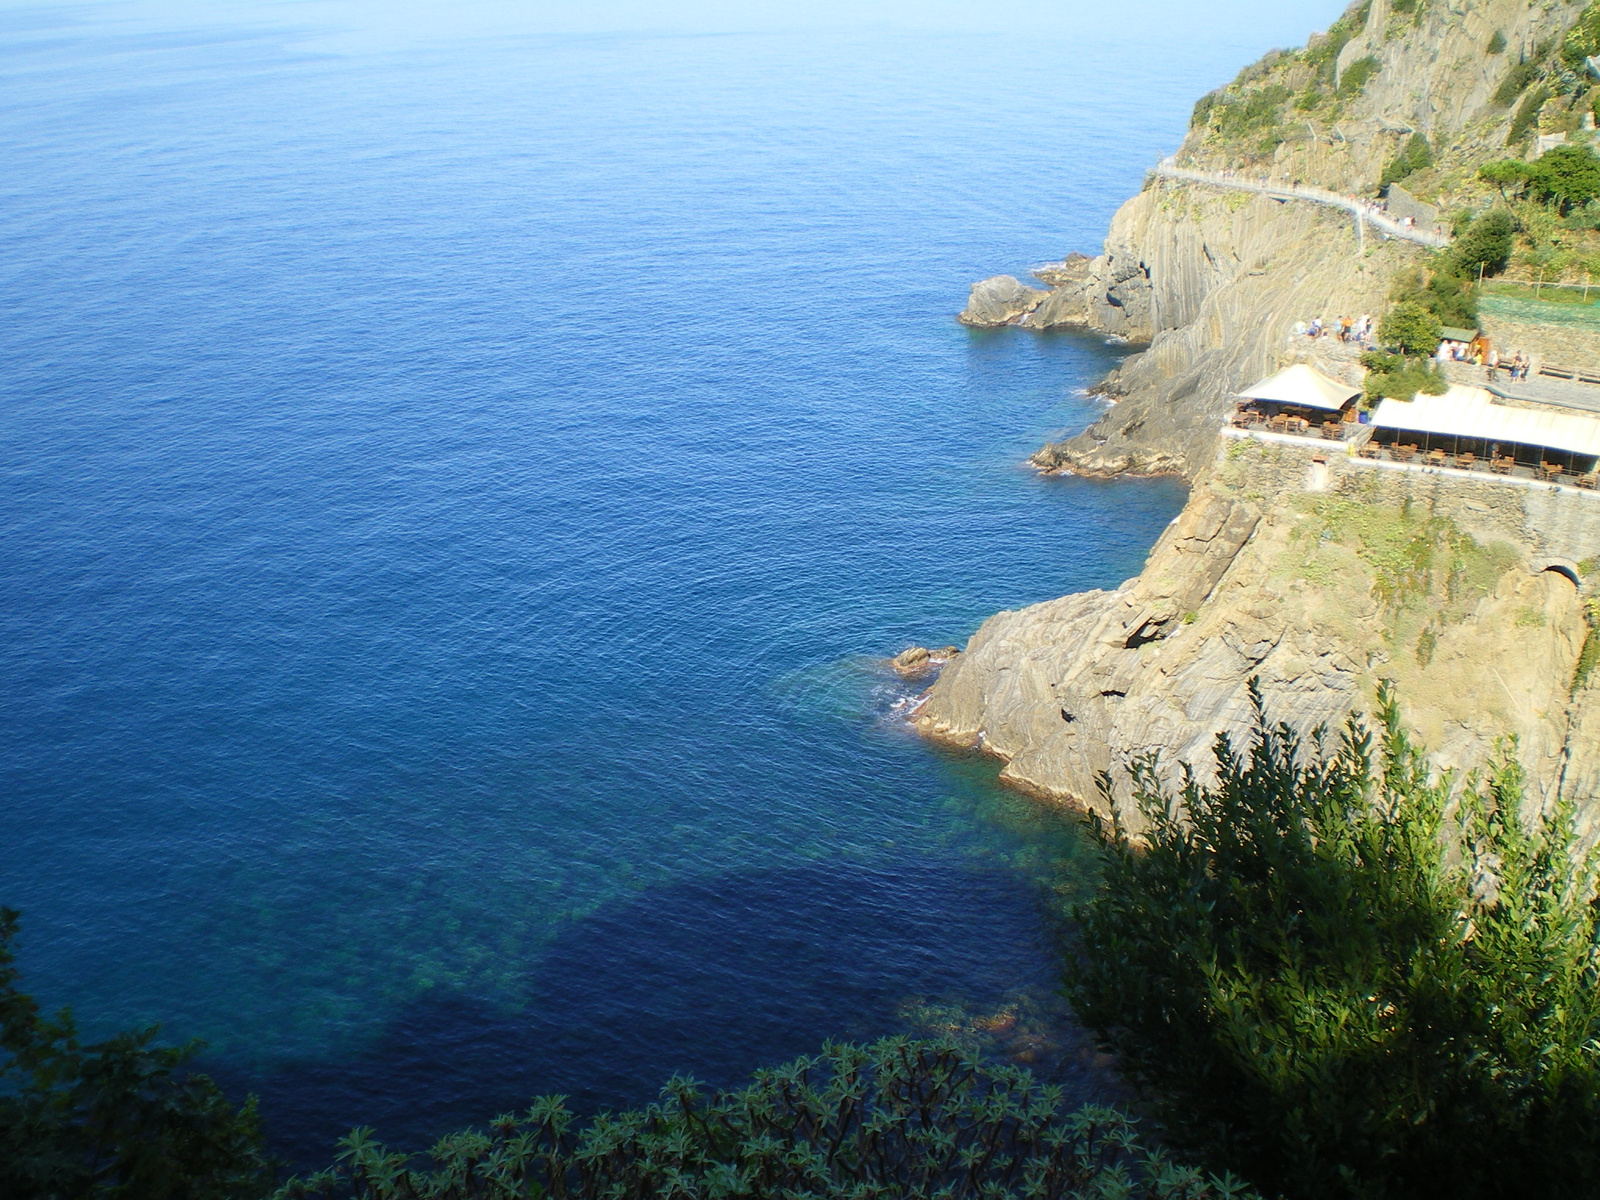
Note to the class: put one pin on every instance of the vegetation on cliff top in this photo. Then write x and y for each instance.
(1346, 974)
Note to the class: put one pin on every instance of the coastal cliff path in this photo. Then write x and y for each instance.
(1363, 211)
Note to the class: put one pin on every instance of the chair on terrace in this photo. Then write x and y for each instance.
(1370, 450)
(1500, 466)
(1436, 458)
(1590, 480)
(1467, 461)
(1403, 453)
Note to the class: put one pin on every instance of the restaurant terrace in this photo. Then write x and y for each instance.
(1297, 400)
(1468, 428)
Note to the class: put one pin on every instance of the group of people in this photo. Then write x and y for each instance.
(1480, 354)
(1347, 329)
(1517, 364)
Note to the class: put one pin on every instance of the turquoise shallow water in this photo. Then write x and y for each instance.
(458, 488)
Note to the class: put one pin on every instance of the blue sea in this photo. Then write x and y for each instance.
(462, 469)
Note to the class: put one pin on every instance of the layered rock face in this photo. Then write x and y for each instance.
(1318, 574)
(1320, 578)
(1213, 280)
(999, 301)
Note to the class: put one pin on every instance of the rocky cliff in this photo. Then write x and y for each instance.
(1212, 281)
(1316, 572)
(1320, 574)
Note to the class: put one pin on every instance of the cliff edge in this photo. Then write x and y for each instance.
(1317, 571)
(1212, 280)
(1321, 574)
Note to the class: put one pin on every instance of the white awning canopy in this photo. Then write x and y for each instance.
(1302, 385)
(1472, 413)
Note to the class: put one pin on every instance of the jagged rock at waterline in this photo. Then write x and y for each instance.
(1000, 300)
(915, 661)
(1074, 268)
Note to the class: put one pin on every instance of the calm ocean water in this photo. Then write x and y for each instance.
(458, 485)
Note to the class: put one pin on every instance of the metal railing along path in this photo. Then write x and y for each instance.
(1361, 209)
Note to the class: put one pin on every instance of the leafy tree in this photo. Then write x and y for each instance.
(1450, 296)
(1411, 328)
(896, 1119)
(1401, 377)
(1415, 156)
(1348, 975)
(119, 1118)
(1484, 244)
(1567, 176)
(1505, 173)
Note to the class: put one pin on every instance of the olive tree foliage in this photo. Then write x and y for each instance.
(1345, 974)
(1566, 177)
(898, 1120)
(118, 1118)
(1484, 246)
(1411, 329)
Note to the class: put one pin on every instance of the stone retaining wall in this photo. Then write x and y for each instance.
(1547, 522)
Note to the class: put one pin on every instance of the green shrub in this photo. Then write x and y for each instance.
(1586, 218)
(1515, 83)
(1527, 115)
(1319, 978)
(1357, 75)
(1484, 244)
(1411, 329)
(1450, 295)
(119, 1118)
(1567, 176)
(1583, 39)
(892, 1120)
(1400, 377)
(1415, 156)
(1497, 44)
(1589, 655)
(1324, 54)
(1241, 115)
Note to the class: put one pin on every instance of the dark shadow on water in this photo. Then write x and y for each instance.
(714, 978)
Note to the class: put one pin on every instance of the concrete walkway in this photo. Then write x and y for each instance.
(1361, 209)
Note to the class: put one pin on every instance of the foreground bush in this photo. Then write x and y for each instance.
(1326, 974)
(119, 1118)
(894, 1121)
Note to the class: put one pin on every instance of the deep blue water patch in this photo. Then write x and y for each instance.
(456, 497)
